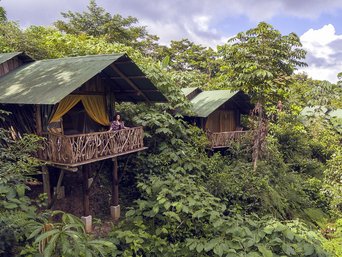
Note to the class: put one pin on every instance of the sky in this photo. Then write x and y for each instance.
(212, 22)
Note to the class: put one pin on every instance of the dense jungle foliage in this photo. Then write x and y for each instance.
(180, 198)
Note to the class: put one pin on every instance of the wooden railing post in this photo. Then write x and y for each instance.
(85, 148)
(224, 139)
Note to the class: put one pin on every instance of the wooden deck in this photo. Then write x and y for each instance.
(225, 139)
(75, 150)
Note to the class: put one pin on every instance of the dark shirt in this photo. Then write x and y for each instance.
(116, 125)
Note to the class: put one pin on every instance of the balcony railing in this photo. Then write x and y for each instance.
(74, 150)
(225, 139)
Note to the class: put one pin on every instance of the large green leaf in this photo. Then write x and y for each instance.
(265, 252)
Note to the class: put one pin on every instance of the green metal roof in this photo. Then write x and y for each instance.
(317, 110)
(335, 116)
(188, 90)
(7, 56)
(207, 102)
(49, 81)
(313, 110)
(336, 113)
(336, 119)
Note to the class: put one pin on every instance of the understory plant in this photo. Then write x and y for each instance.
(17, 214)
(62, 234)
(177, 217)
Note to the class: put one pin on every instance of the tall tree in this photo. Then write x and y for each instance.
(262, 61)
(188, 56)
(3, 16)
(96, 21)
(339, 76)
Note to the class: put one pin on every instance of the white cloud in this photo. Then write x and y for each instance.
(205, 21)
(202, 22)
(197, 20)
(324, 49)
(197, 29)
(167, 31)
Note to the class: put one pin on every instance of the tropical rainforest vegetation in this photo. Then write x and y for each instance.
(276, 194)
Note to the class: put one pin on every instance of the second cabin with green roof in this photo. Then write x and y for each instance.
(218, 112)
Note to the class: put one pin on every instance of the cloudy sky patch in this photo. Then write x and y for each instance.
(324, 52)
(209, 22)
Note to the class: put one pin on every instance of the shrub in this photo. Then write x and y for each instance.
(177, 217)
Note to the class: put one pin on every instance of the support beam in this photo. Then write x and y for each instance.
(115, 212)
(96, 176)
(59, 183)
(88, 223)
(115, 85)
(133, 91)
(111, 105)
(115, 185)
(46, 183)
(115, 208)
(130, 77)
(129, 82)
(85, 176)
(124, 62)
(67, 168)
(38, 117)
(87, 93)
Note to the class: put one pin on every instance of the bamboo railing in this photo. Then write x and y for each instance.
(225, 139)
(80, 149)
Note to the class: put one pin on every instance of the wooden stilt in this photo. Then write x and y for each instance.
(115, 208)
(115, 185)
(59, 183)
(46, 183)
(85, 176)
(38, 117)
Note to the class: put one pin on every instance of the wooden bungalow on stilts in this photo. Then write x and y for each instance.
(218, 113)
(70, 102)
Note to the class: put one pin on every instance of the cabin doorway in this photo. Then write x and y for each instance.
(77, 121)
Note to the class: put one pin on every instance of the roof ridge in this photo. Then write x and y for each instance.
(12, 52)
(84, 56)
(217, 90)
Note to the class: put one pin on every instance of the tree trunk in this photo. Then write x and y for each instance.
(258, 136)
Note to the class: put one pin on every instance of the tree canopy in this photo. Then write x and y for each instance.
(97, 22)
(262, 61)
(3, 16)
(179, 198)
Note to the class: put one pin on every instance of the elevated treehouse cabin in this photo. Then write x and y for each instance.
(218, 112)
(70, 102)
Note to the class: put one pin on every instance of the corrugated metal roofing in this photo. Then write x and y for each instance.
(317, 110)
(313, 110)
(7, 56)
(336, 113)
(336, 119)
(188, 90)
(207, 102)
(49, 81)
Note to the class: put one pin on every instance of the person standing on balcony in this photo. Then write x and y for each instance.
(117, 123)
(280, 106)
